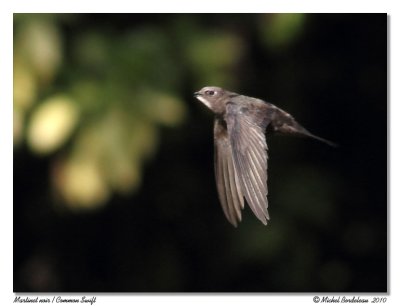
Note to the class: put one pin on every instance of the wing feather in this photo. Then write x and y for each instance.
(249, 149)
(221, 185)
(228, 184)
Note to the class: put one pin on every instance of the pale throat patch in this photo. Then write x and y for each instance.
(204, 101)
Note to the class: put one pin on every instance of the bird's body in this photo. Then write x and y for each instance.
(241, 149)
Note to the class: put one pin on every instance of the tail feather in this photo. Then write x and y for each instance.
(328, 142)
(283, 122)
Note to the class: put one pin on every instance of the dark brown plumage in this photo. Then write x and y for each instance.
(241, 149)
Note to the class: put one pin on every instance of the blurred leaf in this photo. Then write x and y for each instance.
(80, 182)
(279, 30)
(146, 56)
(51, 124)
(213, 56)
(163, 108)
(18, 123)
(38, 40)
(25, 87)
(122, 167)
(91, 50)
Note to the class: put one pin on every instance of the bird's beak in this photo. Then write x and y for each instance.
(197, 94)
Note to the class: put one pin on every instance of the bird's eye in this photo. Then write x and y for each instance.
(210, 92)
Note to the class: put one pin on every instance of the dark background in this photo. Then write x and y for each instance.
(328, 206)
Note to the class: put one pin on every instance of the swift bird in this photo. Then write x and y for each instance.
(240, 148)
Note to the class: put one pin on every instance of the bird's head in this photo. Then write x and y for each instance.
(213, 97)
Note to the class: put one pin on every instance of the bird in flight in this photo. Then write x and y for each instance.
(240, 148)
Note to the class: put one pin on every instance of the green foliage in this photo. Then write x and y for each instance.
(107, 93)
(281, 29)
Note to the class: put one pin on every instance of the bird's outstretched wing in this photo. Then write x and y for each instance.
(228, 184)
(249, 151)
